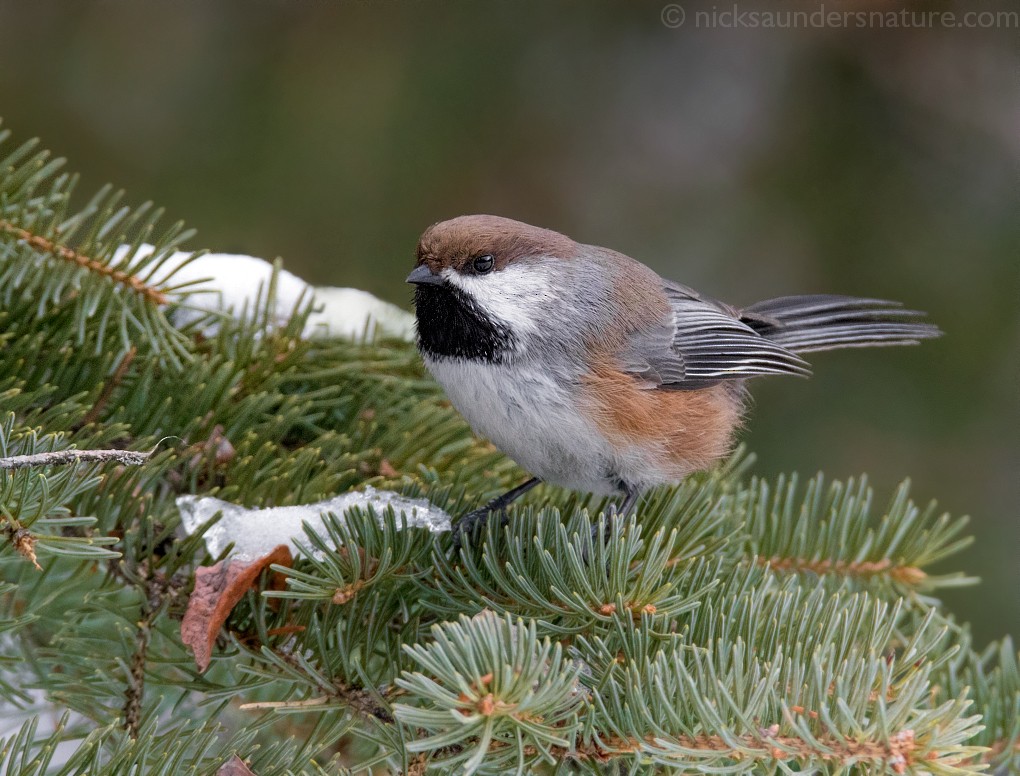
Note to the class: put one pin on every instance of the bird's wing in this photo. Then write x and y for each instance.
(704, 342)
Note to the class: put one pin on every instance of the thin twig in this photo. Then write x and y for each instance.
(285, 704)
(359, 700)
(158, 593)
(92, 265)
(134, 695)
(65, 457)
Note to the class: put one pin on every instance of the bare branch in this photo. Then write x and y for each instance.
(66, 457)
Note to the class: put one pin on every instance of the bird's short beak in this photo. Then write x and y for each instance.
(422, 275)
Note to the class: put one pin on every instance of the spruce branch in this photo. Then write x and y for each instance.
(766, 748)
(746, 628)
(909, 576)
(360, 702)
(494, 696)
(33, 511)
(992, 679)
(181, 747)
(64, 253)
(63, 262)
(830, 532)
(357, 552)
(737, 708)
(568, 575)
(27, 753)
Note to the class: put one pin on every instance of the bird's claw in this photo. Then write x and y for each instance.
(609, 516)
(469, 528)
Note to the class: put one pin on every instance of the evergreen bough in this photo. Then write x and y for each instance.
(737, 626)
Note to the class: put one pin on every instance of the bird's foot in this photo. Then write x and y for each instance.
(614, 512)
(606, 521)
(610, 515)
(470, 528)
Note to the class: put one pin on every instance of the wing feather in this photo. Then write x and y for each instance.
(826, 321)
(703, 343)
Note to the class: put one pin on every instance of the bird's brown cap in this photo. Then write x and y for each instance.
(457, 242)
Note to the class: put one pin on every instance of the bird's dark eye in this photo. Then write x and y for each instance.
(482, 264)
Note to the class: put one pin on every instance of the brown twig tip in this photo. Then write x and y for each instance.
(633, 608)
(24, 544)
(487, 705)
(92, 265)
(907, 575)
(345, 594)
(66, 457)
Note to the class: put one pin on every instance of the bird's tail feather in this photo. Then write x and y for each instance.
(826, 322)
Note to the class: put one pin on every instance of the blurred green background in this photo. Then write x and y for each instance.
(745, 162)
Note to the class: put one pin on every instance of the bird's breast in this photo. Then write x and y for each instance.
(531, 415)
(590, 431)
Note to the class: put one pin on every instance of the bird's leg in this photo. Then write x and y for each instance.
(470, 523)
(630, 497)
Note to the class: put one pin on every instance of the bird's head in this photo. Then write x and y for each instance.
(484, 285)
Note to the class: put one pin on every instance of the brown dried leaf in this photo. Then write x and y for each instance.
(217, 590)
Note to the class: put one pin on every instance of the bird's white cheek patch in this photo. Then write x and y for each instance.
(518, 295)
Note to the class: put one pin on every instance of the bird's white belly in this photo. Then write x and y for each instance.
(528, 415)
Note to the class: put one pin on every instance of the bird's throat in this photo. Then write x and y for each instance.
(452, 325)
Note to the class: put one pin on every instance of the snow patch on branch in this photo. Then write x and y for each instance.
(232, 283)
(255, 532)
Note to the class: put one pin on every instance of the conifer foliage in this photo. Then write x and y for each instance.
(735, 625)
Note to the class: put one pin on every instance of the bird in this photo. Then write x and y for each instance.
(594, 373)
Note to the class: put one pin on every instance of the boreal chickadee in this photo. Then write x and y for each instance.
(594, 373)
